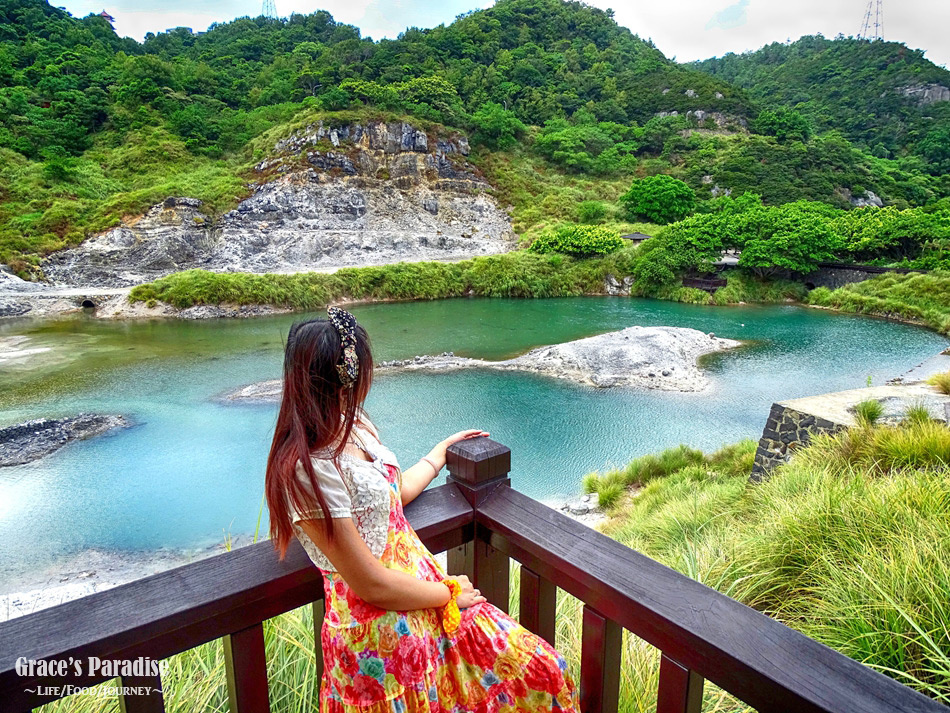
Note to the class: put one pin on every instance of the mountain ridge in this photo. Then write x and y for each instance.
(562, 107)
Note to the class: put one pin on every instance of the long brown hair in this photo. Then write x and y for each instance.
(316, 416)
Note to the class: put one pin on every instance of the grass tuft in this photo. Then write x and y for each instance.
(917, 414)
(869, 411)
(941, 381)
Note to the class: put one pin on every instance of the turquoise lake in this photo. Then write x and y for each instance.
(191, 468)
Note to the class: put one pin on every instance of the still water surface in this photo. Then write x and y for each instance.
(191, 469)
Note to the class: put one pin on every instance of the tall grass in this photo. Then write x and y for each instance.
(516, 274)
(922, 298)
(846, 543)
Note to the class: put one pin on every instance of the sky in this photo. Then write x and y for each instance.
(682, 29)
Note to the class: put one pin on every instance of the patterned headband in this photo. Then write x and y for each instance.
(345, 324)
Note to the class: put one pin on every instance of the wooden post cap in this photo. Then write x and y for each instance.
(478, 460)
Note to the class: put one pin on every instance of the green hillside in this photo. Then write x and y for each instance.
(564, 109)
(875, 93)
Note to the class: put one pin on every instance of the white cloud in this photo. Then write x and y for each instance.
(678, 27)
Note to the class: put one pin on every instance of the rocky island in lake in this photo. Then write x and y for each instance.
(661, 358)
(32, 440)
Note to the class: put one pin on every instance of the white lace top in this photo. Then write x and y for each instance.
(359, 490)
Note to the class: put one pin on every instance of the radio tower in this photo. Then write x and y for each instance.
(268, 9)
(875, 8)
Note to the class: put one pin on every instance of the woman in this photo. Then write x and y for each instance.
(399, 635)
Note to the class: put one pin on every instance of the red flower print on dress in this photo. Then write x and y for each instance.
(518, 688)
(408, 662)
(448, 690)
(540, 674)
(360, 610)
(477, 650)
(348, 661)
(365, 691)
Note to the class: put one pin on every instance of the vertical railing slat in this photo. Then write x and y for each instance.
(486, 567)
(680, 691)
(151, 701)
(538, 602)
(246, 666)
(600, 663)
(319, 608)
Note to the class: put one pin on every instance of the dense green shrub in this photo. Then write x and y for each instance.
(792, 238)
(590, 212)
(586, 146)
(885, 235)
(578, 240)
(659, 199)
(496, 127)
(692, 244)
(783, 124)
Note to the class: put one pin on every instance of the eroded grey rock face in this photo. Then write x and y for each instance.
(699, 116)
(618, 288)
(925, 94)
(331, 197)
(32, 440)
(870, 198)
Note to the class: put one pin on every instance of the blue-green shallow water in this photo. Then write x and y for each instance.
(191, 469)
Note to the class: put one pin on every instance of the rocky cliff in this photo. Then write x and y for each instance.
(924, 94)
(328, 197)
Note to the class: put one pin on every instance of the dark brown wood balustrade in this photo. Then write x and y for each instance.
(483, 523)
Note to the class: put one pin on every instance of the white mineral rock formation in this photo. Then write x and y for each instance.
(329, 197)
(649, 357)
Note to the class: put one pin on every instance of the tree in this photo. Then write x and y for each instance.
(790, 238)
(496, 127)
(783, 124)
(693, 244)
(936, 149)
(659, 199)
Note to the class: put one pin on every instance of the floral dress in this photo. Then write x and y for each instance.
(379, 661)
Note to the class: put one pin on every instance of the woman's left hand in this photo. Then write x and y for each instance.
(464, 435)
(436, 456)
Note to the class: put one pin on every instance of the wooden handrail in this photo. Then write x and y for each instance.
(181, 608)
(482, 522)
(757, 659)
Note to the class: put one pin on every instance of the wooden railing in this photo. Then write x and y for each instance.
(709, 284)
(482, 523)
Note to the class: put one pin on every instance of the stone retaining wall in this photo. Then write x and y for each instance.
(786, 430)
(835, 275)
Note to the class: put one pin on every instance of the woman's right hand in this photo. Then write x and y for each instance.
(468, 596)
